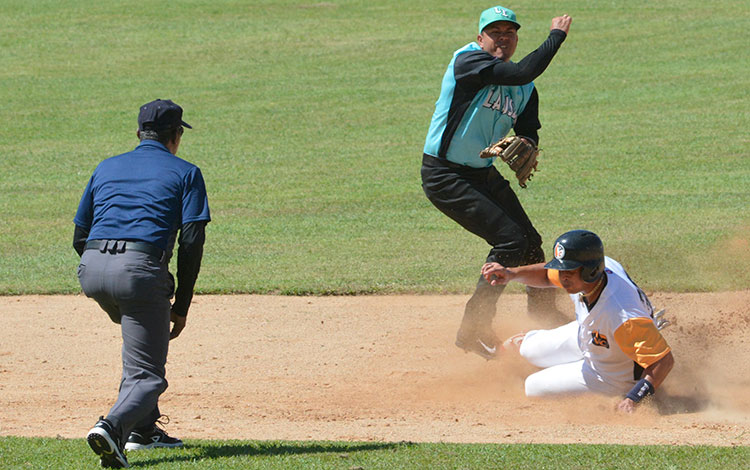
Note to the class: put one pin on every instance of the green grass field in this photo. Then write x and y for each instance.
(61, 454)
(309, 121)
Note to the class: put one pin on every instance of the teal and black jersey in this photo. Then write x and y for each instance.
(482, 98)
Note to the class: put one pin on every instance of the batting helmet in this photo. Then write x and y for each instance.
(579, 249)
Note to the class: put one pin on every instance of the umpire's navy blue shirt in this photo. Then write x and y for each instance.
(144, 195)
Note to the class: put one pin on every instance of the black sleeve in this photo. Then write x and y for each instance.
(480, 69)
(528, 123)
(189, 256)
(80, 235)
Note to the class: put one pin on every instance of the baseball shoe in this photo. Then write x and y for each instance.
(151, 438)
(105, 442)
(483, 344)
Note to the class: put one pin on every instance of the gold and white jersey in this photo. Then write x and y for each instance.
(619, 331)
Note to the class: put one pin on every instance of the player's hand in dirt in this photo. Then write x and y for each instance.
(562, 23)
(178, 325)
(496, 273)
(626, 406)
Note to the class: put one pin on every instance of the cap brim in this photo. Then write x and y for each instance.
(518, 26)
(184, 124)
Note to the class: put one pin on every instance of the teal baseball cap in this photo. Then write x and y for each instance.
(497, 13)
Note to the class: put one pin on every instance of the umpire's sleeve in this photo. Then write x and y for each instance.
(189, 256)
(80, 235)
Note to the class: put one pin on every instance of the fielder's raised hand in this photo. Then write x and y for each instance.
(561, 23)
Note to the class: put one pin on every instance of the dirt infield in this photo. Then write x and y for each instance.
(379, 368)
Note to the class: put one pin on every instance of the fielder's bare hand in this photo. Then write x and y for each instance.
(496, 273)
(178, 325)
(561, 22)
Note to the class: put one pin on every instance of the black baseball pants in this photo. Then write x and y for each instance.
(481, 201)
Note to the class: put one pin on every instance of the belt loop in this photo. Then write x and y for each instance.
(103, 247)
(121, 248)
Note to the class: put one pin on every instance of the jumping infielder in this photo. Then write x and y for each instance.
(483, 96)
(613, 347)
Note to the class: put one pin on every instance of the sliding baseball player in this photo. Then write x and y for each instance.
(613, 347)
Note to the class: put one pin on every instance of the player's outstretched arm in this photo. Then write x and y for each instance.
(653, 377)
(659, 370)
(534, 275)
(528, 68)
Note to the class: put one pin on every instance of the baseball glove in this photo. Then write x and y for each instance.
(519, 153)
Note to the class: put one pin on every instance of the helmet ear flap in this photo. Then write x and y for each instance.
(592, 273)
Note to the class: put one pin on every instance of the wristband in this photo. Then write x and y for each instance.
(641, 389)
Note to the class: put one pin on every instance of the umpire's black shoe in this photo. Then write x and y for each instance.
(485, 344)
(150, 438)
(105, 441)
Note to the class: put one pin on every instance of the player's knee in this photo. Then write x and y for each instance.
(526, 349)
(533, 387)
(532, 349)
(510, 252)
(534, 254)
(520, 243)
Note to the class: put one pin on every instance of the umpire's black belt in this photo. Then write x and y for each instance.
(121, 246)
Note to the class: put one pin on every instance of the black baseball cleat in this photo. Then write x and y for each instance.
(105, 442)
(486, 345)
(151, 438)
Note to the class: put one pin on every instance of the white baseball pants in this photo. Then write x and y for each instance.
(564, 369)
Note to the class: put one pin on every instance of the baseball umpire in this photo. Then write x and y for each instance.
(614, 347)
(483, 96)
(125, 229)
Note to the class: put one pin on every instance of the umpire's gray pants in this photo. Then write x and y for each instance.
(134, 289)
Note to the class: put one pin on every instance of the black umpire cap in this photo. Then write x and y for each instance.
(161, 115)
